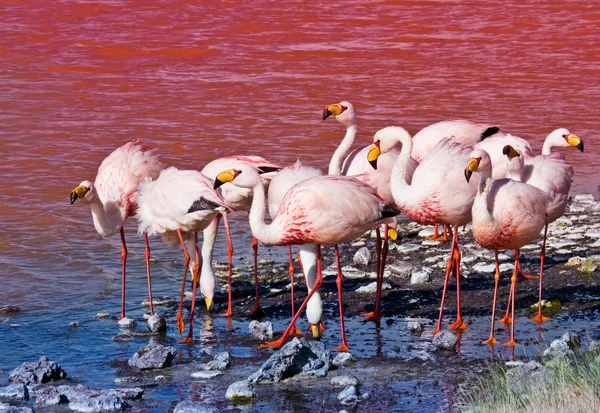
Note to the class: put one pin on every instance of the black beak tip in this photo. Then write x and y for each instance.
(326, 114)
(580, 146)
(373, 163)
(468, 175)
(73, 198)
(506, 150)
(217, 184)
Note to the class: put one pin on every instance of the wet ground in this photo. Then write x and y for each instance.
(399, 370)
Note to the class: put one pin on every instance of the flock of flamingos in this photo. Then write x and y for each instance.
(451, 173)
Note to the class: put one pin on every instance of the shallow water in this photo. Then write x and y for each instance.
(199, 81)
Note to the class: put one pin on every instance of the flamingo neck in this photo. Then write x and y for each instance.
(207, 276)
(268, 234)
(107, 217)
(548, 145)
(335, 165)
(400, 179)
(308, 258)
(480, 204)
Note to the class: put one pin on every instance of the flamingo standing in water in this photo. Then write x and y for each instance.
(458, 131)
(551, 173)
(179, 201)
(435, 192)
(113, 197)
(506, 215)
(238, 199)
(309, 214)
(355, 164)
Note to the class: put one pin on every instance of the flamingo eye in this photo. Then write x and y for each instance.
(565, 137)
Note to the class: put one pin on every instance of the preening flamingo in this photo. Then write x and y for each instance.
(494, 145)
(238, 199)
(309, 214)
(179, 201)
(356, 165)
(435, 192)
(551, 173)
(113, 197)
(506, 215)
(280, 185)
(458, 131)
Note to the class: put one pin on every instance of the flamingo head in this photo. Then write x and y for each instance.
(343, 112)
(244, 177)
(514, 163)
(562, 137)
(479, 158)
(84, 190)
(385, 140)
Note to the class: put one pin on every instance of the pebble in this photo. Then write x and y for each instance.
(127, 323)
(415, 326)
(577, 208)
(348, 396)
(205, 374)
(158, 300)
(219, 362)
(126, 337)
(73, 324)
(362, 257)
(195, 407)
(558, 348)
(401, 268)
(430, 243)
(491, 268)
(342, 359)
(157, 323)
(584, 198)
(102, 314)
(445, 340)
(358, 244)
(261, 331)
(427, 232)
(7, 408)
(153, 356)
(421, 277)
(14, 392)
(408, 247)
(344, 380)
(371, 288)
(241, 392)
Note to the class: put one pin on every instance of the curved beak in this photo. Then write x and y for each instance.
(208, 302)
(73, 197)
(471, 167)
(225, 177)
(315, 330)
(326, 113)
(374, 153)
(78, 192)
(510, 152)
(575, 141)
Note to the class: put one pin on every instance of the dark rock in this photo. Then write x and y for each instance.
(41, 371)
(445, 340)
(523, 378)
(157, 323)
(572, 339)
(14, 392)
(9, 309)
(49, 396)
(241, 392)
(127, 393)
(344, 380)
(153, 356)
(306, 358)
(7, 408)
(261, 331)
(87, 399)
(125, 337)
(348, 396)
(219, 362)
(195, 407)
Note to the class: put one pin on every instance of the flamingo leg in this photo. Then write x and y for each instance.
(449, 267)
(186, 257)
(295, 331)
(124, 265)
(459, 324)
(228, 313)
(507, 320)
(317, 284)
(539, 318)
(513, 281)
(376, 315)
(257, 311)
(491, 340)
(436, 236)
(520, 274)
(195, 279)
(339, 281)
(147, 256)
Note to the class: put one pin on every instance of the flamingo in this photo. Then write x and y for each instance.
(494, 145)
(551, 173)
(506, 215)
(434, 192)
(280, 184)
(113, 197)
(309, 214)
(238, 199)
(177, 202)
(459, 131)
(355, 164)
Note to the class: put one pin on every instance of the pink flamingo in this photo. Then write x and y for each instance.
(506, 215)
(494, 145)
(113, 197)
(238, 199)
(434, 192)
(309, 214)
(179, 201)
(551, 173)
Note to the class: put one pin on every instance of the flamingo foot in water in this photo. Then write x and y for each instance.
(372, 316)
(539, 318)
(437, 330)
(274, 344)
(490, 341)
(507, 320)
(180, 323)
(227, 313)
(458, 325)
(342, 347)
(257, 312)
(295, 331)
(188, 340)
(511, 343)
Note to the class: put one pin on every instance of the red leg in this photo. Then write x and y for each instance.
(147, 256)
(491, 340)
(195, 279)
(513, 282)
(339, 281)
(124, 264)
(376, 315)
(436, 236)
(520, 273)
(295, 331)
(228, 313)
(459, 324)
(186, 257)
(539, 318)
(449, 268)
(257, 311)
(315, 287)
(507, 320)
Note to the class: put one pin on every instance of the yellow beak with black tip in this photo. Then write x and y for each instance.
(334, 110)
(225, 177)
(472, 166)
(315, 330)
(374, 154)
(510, 152)
(78, 192)
(208, 302)
(575, 141)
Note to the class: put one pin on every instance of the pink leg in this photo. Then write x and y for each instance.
(228, 313)
(339, 281)
(520, 273)
(147, 256)
(195, 279)
(539, 318)
(291, 270)
(513, 281)
(124, 265)
(449, 268)
(491, 340)
(257, 311)
(316, 286)
(376, 315)
(186, 256)
(459, 324)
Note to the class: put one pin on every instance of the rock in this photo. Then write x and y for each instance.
(341, 359)
(14, 392)
(206, 374)
(430, 243)
(158, 300)
(577, 208)
(521, 379)
(127, 393)
(241, 392)
(157, 323)
(195, 407)
(594, 346)
(299, 356)
(49, 396)
(344, 380)
(87, 399)
(415, 326)
(348, 396)
(572, 339)
(128, 380)
(127, 322)
(588, 268)
(37, 372)
(427, 232)
(362, 257)
(7, 408)
(261, 331)
(153, 356)
(401, 268)
(219, 362)
(123, 337)
(9, 309)
(358, 244)
(408, 247)
(73, 324)
(421, 277)
(584, 198)
(445, 340)
(491, 268)
(372, 287)
(558, 348)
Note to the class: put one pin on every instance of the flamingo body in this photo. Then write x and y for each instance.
(494, 145)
